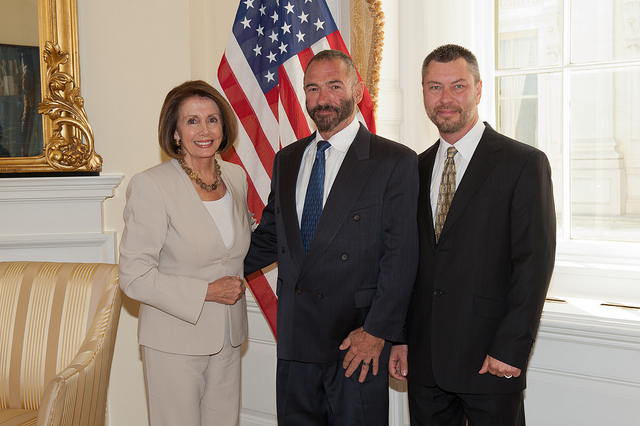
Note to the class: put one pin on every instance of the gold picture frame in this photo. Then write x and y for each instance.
(67, 135)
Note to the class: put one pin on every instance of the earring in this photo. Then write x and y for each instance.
(176, 142)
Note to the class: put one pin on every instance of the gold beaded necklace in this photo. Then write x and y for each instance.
(194, 176)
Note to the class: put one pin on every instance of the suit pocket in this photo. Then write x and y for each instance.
(364, 297)
(365, 203)
(489, 308)
(488, 198)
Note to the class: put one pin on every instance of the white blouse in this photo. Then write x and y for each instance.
(220, 211)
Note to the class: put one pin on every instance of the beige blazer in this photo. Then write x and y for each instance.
(171, 249)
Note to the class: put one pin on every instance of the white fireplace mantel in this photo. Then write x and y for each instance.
(56, 218)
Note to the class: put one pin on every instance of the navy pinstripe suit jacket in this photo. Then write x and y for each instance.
(361, 265)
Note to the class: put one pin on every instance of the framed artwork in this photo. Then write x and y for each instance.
(20, 95)
(45, 128)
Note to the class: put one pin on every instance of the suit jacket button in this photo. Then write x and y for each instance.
(356, 217)
(298, 290)
(278, 209)
(282, 249)
(438, 292)
(344, 256)
(319, 295)
(226, 261)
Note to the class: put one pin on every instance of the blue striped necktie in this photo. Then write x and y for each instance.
(313, 199)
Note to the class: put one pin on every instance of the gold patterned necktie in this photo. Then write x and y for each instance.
(446, 191)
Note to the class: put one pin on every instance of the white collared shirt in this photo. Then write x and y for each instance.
(334, 155)
(466, 146)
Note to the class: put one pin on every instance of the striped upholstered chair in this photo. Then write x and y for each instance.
(58, 326)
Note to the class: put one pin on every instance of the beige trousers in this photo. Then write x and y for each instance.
(193, 390)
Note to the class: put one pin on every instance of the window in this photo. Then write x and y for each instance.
(568, 82)
(562, 75)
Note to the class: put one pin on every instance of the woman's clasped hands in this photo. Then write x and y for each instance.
(226, 290)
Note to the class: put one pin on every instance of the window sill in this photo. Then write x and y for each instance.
(604, 271)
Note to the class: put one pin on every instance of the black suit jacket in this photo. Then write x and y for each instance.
(481, 289)
(361, 265)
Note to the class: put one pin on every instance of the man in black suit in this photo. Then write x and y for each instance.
(487, 247)
(344, 286)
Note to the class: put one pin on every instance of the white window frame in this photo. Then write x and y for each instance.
(605, 271)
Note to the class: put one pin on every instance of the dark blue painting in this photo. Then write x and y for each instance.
(20, 94)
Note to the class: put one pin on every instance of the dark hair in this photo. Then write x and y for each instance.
(332, 55)
(170, 111)
(449, 53)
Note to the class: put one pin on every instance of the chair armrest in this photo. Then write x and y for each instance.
(78, 394)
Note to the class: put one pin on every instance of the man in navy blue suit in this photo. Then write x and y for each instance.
(487, 247)
(342, 299)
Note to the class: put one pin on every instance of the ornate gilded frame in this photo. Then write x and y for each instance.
(68, 137)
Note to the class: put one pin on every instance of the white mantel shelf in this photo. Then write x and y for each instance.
(56, 218)
(69, 187)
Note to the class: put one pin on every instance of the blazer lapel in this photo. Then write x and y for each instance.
(351, 179)
(198, 215)
(424, 201)
(484, 159)
(239, 213)
(289, 168)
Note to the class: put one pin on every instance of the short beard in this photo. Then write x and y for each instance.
(449, 126)
(328, 123)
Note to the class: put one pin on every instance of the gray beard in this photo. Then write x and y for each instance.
(447, 126)
(324, 124)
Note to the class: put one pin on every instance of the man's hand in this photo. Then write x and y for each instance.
(398, 365)
(363, 347)
(499, 368)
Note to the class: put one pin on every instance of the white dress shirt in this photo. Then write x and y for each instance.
(466, 146)
(334, 156)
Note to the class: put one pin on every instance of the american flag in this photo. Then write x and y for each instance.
(261, 75)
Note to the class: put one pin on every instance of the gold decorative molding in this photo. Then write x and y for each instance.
(68, 144)
(367, 41)
(71, 144)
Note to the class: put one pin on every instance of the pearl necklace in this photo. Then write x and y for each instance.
(194, 176)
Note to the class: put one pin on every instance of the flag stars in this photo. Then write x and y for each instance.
(276, 35)
(289, 8)
(269, 76)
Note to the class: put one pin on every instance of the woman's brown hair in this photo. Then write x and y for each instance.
(170, 111)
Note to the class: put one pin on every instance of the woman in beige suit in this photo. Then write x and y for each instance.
(187, 231)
